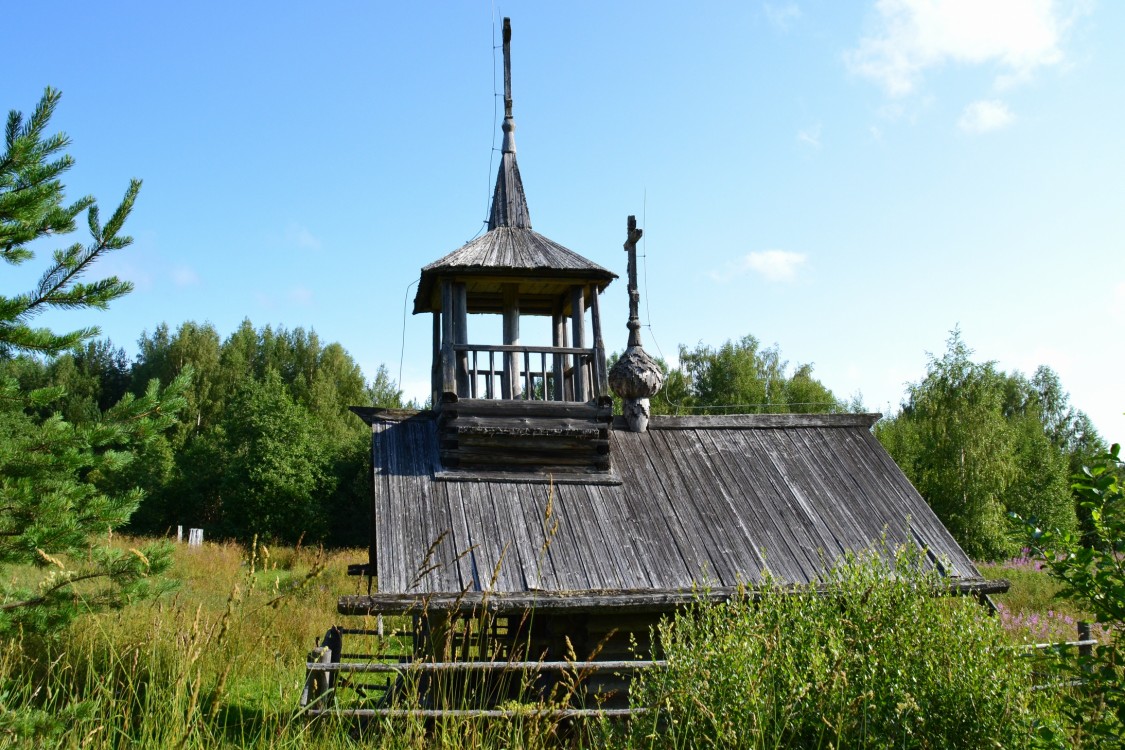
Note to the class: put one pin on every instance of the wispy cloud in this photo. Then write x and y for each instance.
(781, 16)
(909, 37)
(985, 116)
(810, 136)
(772, 265)
(302, 238)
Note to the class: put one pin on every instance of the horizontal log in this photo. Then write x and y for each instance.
(484, 407)
(373, 415)
(601, 602)
(520, 349)
(750, 421)
(570, 476)
(567, 429)
(489, 666)
(533, 442)
(498, 458)
(473, 713)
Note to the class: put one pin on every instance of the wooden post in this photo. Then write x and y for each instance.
(601, 376)
(558, 361)
(318, 684)
(435, 368)
(578, 324)
(461, 336)
(511, 384)
(1084, 635)
(448, 372)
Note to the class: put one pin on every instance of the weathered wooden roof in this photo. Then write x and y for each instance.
(695, 501)
(513, 252)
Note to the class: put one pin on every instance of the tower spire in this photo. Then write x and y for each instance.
(509, 204)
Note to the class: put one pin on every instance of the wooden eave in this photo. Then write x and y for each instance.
(600, 602)
(541, 266)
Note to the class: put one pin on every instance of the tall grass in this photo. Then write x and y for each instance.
(880, 662)
(220, 664)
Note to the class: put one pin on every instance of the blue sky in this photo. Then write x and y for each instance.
(848, 180)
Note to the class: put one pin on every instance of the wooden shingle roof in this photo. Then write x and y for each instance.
(695, 501)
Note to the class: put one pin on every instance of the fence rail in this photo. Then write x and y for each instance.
(324, 676)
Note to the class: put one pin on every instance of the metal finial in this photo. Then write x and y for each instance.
(509, 125)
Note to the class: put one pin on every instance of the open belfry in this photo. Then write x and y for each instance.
(519, 520)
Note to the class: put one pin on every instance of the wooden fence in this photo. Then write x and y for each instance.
(324, 671)
(326, 666)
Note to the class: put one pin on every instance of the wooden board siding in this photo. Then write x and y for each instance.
(710, 501)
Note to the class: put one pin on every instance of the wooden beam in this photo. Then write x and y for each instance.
(558, 339)
(511, 384)
(755, 421)
(435, 368)
(601, 375)
(461, 336)
(449, 372)
(600, 602)
(578, 325)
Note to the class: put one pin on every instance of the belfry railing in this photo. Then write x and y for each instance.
(530, 373)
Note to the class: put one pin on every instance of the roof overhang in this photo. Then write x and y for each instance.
(653, 601)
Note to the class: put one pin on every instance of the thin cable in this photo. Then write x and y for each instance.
(644, 240)
(492, 152)
(402, 351)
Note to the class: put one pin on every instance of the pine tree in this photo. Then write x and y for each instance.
(56, 478)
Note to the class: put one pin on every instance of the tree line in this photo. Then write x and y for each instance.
(978, 443)
(264, 445)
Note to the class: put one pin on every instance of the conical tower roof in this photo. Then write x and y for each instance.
(510, 248)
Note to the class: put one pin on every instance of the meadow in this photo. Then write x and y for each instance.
(219, 663)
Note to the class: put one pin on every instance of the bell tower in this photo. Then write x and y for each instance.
(505, 406)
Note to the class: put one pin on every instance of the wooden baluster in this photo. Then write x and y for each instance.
(528, 391)
(474, 374)
(543, 372)
(490, 389)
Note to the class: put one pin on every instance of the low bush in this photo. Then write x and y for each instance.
(1090, 570)
(881, 660)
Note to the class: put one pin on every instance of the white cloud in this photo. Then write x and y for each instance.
(912, 36)
(985, 116)
(302, 238)
(301, 295)
(184, 276)
(810, 136)
(781, 16)
(773, 265)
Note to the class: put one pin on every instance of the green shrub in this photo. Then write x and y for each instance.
(874, 658)
(1091, 570)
